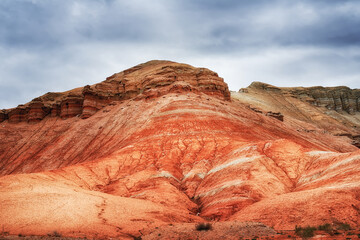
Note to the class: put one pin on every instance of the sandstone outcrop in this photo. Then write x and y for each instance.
(170, 148)
(151, 79)
(64, 105)
(3, 115)
(333, 98)
(37, 111)
(276, 115)
(333, 110)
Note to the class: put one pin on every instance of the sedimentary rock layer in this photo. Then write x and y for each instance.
(151, 79)
(309, 107)
(335, 98)
(176, 152)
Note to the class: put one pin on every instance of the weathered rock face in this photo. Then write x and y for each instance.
(160, 151)
(55, 110)
(72, 106)
(330, 110)
(3, 116)
(276, 115)
(51, 104)
(335, 98)
(151, 79)
(37, 111)
(332, 98)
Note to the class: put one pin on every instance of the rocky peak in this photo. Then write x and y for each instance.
(147, 80)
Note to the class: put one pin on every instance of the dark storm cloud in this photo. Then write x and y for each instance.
(56, 23)
(214, 24)
(55, 45)
(239, 24)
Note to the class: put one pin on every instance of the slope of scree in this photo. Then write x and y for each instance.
(181, 154)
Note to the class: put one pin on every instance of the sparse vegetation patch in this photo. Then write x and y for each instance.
(344, 226)
(326, 228)
(306, 232)
(203, 227)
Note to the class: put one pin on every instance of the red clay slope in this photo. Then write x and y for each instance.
(176, 150)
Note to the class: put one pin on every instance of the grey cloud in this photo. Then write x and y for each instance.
(205, 24)
(280, 23)
(24, 23)
(57, 45)
(57, 23)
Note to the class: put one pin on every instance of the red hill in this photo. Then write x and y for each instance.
(166, 143)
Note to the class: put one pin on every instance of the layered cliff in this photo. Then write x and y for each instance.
(151, 79)
(170, 148)
(334, 110)
(332, 98)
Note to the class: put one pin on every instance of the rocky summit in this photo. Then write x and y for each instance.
(165, 151)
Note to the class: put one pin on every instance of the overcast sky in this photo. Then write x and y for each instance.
(57, 45)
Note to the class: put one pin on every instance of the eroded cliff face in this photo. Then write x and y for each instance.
(175, 151)
(332, 98)
(148, 80)
(334, 110)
